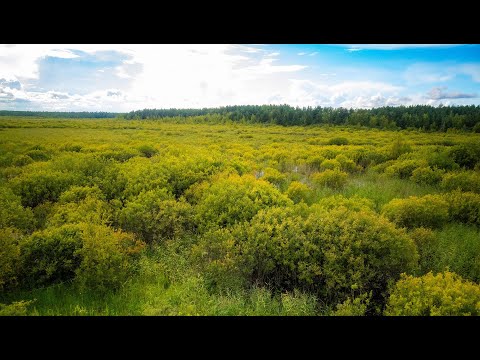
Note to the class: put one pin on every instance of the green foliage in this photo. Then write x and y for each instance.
(12, 213)
(426, 175)
(330, 164)
(234, 199)
(50, 256)
(464, 207)
(298, 192)
(399, 147)
(442, 160)
(147, 150)
(235, 221)
(464, 180)
(332, 253)
(338, 141)
(444, 294)
(154, 216)
(107, 257)
(353, 307)
(38, 155)
(9, 257)
(404, 168)
(334, 179)
(17, 308)
(42, 185)
(22, 160)
(429, 211)
(466, 155)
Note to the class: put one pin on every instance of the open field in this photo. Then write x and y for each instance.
(143, 217)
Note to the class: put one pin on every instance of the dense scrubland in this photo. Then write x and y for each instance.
(172, 217)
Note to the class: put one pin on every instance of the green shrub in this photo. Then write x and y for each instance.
(334, 179)
(466, 155)
(80, 193)
(399, 147)
(442, 160)
(426, 176)
(429, 211)
(16, 308)
(40, 186)
(330, 164)
(403, 168)
(338, 141)
(465, 181)
(91, 210)
(298, 192)
(107, 257)
(444, 294)
(234, 199)
(353, 307)
(22, 160)
(464, 207)
(154, 216)
(12, 213)
(346, 164)
(314, 162)
(38, 155)
(96, 256)
(9, 257)
(147, 150)
(334, 254)
(50, 256)
(274, 176)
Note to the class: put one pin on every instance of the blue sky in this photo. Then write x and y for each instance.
(102, 77)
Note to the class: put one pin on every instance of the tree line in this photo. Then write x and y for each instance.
(62, 114)
(424, 117)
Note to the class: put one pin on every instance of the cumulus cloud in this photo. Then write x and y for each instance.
(439, 93)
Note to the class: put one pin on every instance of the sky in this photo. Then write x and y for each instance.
(122, 78)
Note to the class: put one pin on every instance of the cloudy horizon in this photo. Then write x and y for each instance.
(121, 78)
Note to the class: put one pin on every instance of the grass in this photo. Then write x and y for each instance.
(456, 248)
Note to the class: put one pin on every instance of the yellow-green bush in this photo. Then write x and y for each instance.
(334, 179)
(330, 164)
(298, 192)
(16, 308)
(404, 168)
(334, 253)
(444, 294)
(464, 180)
(9, 257)
(42, 185)
(155, 216)
(426, 175)
(12, 213)
(274, 176)
(347, 164)
(50, 256)
(428, 211)
(233, 199)
(107, 257)
(96, 256)
(464, 207)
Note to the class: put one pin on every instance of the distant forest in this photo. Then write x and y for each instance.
(63, 114)
(422, 117)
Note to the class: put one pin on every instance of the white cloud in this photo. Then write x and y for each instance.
(301, 53)
(313, 53)
(64, 54)
(357, 47)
